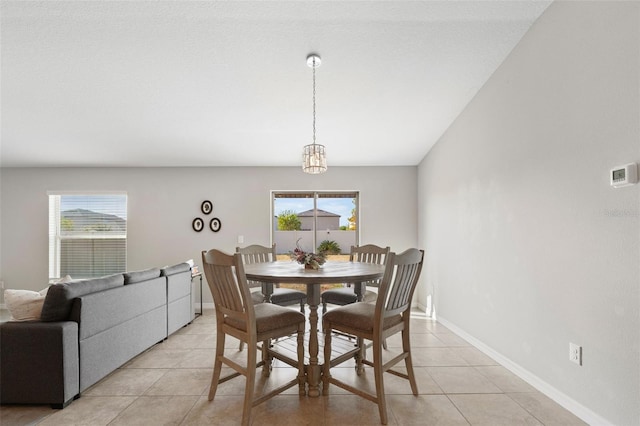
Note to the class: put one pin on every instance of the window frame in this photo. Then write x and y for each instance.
(316, 194)
(56, 236)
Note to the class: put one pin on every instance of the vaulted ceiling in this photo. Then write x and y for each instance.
(225, 83)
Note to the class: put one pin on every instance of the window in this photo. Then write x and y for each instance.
(87, 234)
(311, 218)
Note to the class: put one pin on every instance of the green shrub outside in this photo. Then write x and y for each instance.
(329, 247)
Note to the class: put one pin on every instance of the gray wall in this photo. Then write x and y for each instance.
(529, 248)
(163, 201)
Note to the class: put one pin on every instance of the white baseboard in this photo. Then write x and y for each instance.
(423, 308)
(564, 400)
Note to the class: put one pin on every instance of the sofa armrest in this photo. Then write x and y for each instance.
(39, 363)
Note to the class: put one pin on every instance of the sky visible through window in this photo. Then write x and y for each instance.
(341, 206)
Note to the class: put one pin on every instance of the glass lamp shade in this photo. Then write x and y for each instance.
(314, 160)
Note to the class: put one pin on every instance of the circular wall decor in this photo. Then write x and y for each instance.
(215, 224)
(206, 207)
(197, 224)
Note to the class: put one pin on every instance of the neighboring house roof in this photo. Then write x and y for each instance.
(320, 213)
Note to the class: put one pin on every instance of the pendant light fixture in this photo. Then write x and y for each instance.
(314, 160)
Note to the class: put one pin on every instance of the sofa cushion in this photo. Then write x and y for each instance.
(25, 305)
(98, 312)
(57, 305)
(175, 269)
(139, 276)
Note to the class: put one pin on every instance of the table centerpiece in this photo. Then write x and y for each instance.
(308, 259)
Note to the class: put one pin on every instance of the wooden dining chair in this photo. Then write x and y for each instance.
(368, 253)
(375, 322)
(237, 316)
(256, 253)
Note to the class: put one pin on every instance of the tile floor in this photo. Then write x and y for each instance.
(168, 385)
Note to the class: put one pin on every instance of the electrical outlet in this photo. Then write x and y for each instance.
(240, 239)
(1, 284)
(575, 353)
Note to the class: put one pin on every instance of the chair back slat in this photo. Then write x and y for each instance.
(256, 253)
(370, 253)
(228, 284)
(399, 281)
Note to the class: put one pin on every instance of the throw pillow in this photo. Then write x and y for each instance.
(25, 305)
(65, 279)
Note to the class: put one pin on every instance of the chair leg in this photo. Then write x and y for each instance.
(360, 355)
(268, 359)
(326, 368)
(251, 381)
(408, 362)
(241, 346)
(302, 305)
(324, 307)
(378, 374)
(301, 377)
(217, 365)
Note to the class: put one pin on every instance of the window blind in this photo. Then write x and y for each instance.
(87, 234)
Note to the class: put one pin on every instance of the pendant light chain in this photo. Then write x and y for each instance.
(314, 101)
(314, 159)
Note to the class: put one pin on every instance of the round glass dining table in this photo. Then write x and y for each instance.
(330, 273)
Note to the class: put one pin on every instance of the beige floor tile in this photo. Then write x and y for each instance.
(364, 382)
(197, 358)
(492, 410)
(393, 385)
(231, 342)
(426, 384)
(473, 356)
(169, 383)
(222, 411)
(159, 358)
(352, 410)
(290, 410)
(434, 327)
(451, 339)
(198, 328)
(126, 381)
(90, 411)
(417, 340)
(461, 380)
(425, 410)
(421, 324)
(278, 377)
(21, 415)
(155, 410)
(505, 379)
(208, 317)
(236, 386)
(436, 357)
(189, 341)
(185, 381)
(233, 387)
(544, 409)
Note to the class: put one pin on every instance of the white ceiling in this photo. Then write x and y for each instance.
(225, 83)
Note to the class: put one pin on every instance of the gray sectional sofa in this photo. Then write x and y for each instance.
(89, 328)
